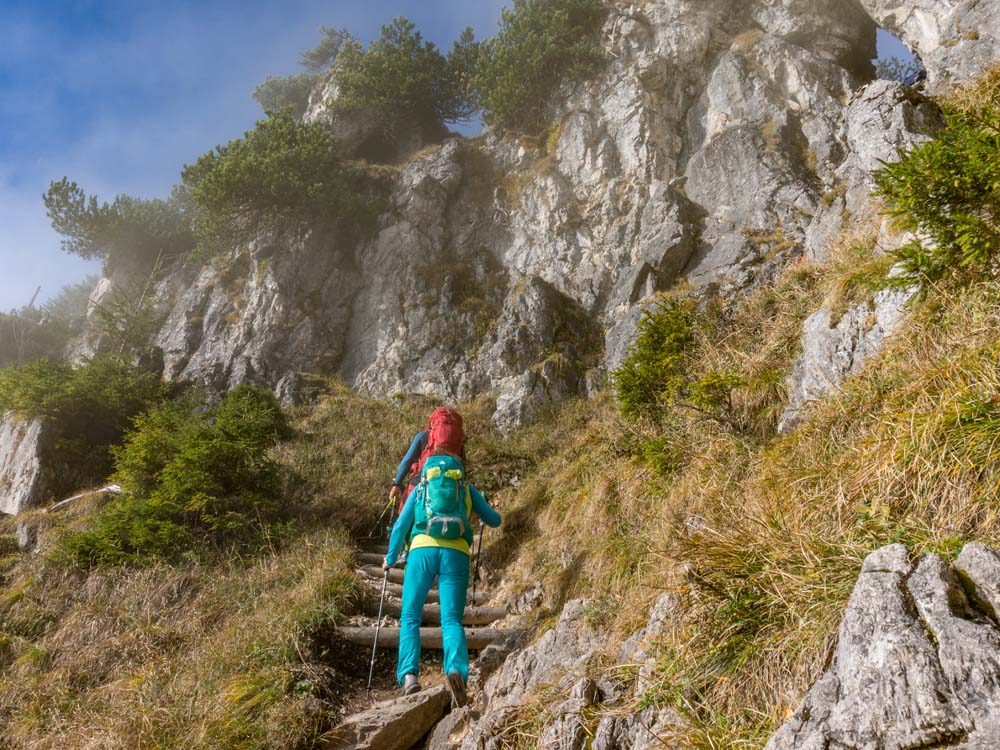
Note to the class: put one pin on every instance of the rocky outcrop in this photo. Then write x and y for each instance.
(881, 119)
(836, 346)
(24, 462)
(560, 663)
(955, 39)
(362, 133)
(917, 664)
(721, 139)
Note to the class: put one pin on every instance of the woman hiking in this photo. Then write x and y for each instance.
(437, 518)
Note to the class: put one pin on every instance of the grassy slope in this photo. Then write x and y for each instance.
(762, 536)
(220, 652)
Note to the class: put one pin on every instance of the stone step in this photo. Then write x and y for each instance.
(432, 612)
(396, 590)
(395, 724)
(476, 638)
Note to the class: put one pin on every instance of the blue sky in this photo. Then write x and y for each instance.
(119, 95)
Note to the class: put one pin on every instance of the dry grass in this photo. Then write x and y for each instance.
(906, 452)
(196, 656)
(222, 652)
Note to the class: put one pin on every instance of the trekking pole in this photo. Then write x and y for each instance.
(381, 604)
(378, 627)
(479, 554)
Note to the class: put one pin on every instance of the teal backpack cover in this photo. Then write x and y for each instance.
(442, 508)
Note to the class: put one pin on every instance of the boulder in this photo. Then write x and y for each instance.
(25, 463)
(917, 663)
(391, 725)
(643, 730)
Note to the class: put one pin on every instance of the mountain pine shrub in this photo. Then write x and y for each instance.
(404, 80)
(87, 407)
(540, 45)
(127, 230)
(654, 371)
(285, 93)
(947, 191)
(193, 476)
(283, 173)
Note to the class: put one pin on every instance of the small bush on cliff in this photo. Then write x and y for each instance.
(947, 190)
(291, 93)
(88, 408)
(654, 370)
(127, 230)
(285, 93)
(405, 80)
(281, 173)
(540, 45)
(192, 476)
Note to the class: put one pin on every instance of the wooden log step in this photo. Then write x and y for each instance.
(476, 638)
(376, 573)
(371, 558)
(395, 589)
(432, 612)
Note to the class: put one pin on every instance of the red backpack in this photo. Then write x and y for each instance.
(444, 435)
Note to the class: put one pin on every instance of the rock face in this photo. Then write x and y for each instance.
(834, 348)
(955, 39)
(721, 139)
(918, 660)
(23, 460)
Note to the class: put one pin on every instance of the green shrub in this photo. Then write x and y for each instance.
(947, 191)
(285, 93)
(405, 80)
(281, 173)
(654, 371)
(322, 56)
(192, 476)
(88, 407)
(540, 45)
(69, 306)
(25, 335)
(129, 229)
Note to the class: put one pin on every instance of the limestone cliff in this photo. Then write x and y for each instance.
(721, 139)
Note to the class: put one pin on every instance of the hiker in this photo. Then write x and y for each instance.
(437, 517)
(444, 434)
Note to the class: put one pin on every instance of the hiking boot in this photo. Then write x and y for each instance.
(410, 684)
(456, 686)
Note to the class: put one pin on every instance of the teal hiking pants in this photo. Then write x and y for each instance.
(452, 570)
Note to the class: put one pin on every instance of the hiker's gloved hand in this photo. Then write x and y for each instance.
(385, 564)
(395, 492)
